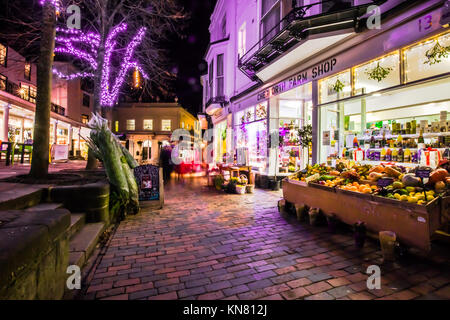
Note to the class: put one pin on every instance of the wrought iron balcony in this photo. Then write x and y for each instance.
(220, 100)
(297, 27)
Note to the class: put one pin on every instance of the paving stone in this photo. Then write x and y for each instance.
(340, 292)
(295, 293)
(320, 296)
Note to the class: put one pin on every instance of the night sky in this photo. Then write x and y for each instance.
(187, 53)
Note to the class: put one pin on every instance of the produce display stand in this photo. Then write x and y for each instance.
(413, 224)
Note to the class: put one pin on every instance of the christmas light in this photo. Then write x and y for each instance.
(109, 89)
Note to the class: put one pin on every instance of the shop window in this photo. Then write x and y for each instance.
(219, 76)
(166, 125)
(147, 150)
(84, 118)
(261, 111)
(148, 124)
(378, 74)
(290, 109)
(3, 82)
(242, 40)
(27, 71)
(3, 55)
(211, 78)
(86, 100)
(418, 66)
(270, 19)
(335, 87)
(116, 126)
(131, 125)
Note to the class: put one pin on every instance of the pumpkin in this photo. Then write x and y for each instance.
(439, 186)
(438, 175)
(377, 169)
(392, 172)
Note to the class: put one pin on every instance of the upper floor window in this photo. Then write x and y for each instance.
(223, 27)
(220, 78)
(336, 5)
(211, 78)
(148, 124)
(116, 126)
(27, 71)
(270, 19)
(131, 125)
(166, 125)
(3, 54)
(3, 81)
(84, 118)
(27, 92)
(242, 40)
(86, 100)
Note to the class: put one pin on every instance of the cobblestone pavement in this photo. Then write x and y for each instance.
(19, 169)
(210, 245)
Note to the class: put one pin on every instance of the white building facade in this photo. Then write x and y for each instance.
(275, 66)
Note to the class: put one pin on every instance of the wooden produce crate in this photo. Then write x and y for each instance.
(414, 224)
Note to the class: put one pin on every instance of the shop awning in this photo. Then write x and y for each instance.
(213, 108)
(300, 38)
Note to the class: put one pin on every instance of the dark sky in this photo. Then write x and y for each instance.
(187, 53)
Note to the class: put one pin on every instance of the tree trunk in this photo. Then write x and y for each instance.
(40, 159)
(92, 162)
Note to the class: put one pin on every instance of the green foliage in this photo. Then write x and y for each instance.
(379, 73)
(338, 86)
(218, 181)
(435, 54)
(305, 135)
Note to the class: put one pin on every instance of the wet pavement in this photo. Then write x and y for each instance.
(206, 244)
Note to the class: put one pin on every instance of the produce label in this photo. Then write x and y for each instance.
(423, 173)
(384, 182)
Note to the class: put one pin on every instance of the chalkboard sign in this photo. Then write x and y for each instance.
(384, 182)
(423, 173)
(147, 178)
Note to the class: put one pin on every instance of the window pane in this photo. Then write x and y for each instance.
(131, 124)
(148, 124)
(266, 5)
(116, 126)
(24, 92)
(261, 111)
(220, 65)
(331, 89)
(269, 22)
(415, 60)
(224, 27)
(166, 125)
(219, 87)
(2, 82)
(365, 83)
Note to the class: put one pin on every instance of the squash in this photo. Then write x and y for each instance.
(392, 172)
(439, 186)
(377, 169)
(374, 176)
(438, 175)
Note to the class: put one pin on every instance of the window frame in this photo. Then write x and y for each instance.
(242, 40)
(4, 79)
(5, 63)
(25, 75)
(223, 26)
(162, 124)
(220, 77)
(262, 35)
(143, 124)
(128, 124)
(84, 118)
(83, 100)
(211, 79)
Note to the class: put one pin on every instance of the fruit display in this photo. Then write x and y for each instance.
(398, 183)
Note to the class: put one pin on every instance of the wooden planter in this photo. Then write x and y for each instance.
(414, 224)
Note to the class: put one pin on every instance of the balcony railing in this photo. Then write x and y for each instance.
(16, 90)
(296, 27)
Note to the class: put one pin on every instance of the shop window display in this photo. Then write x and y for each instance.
(335, 87)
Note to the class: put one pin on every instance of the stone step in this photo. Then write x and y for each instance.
(16, 196)
(45, 206)
(77, 221)
(83, 243)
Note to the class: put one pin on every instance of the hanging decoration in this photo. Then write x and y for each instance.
(378, 73)
(338, 86)
(436, 54)
(91, 41)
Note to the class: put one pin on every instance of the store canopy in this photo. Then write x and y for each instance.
(213, 108)
(300, 37)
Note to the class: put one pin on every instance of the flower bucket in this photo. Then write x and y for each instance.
(240, 189)
(387, 241)
(250, 188)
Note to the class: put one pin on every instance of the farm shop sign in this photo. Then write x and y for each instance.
(299, 79)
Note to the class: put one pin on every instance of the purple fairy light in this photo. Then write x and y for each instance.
(109, 89)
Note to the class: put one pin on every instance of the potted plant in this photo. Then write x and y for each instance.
(231, 186)
(360, 234)
(218, 182)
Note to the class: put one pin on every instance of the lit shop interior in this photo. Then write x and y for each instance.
(391, 109)
(289, 112)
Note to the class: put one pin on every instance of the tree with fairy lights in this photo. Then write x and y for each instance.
(118, 39)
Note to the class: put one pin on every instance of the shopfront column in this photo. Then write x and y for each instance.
(55, 132)
(315, 122)
(5, 122)
(70, 137)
